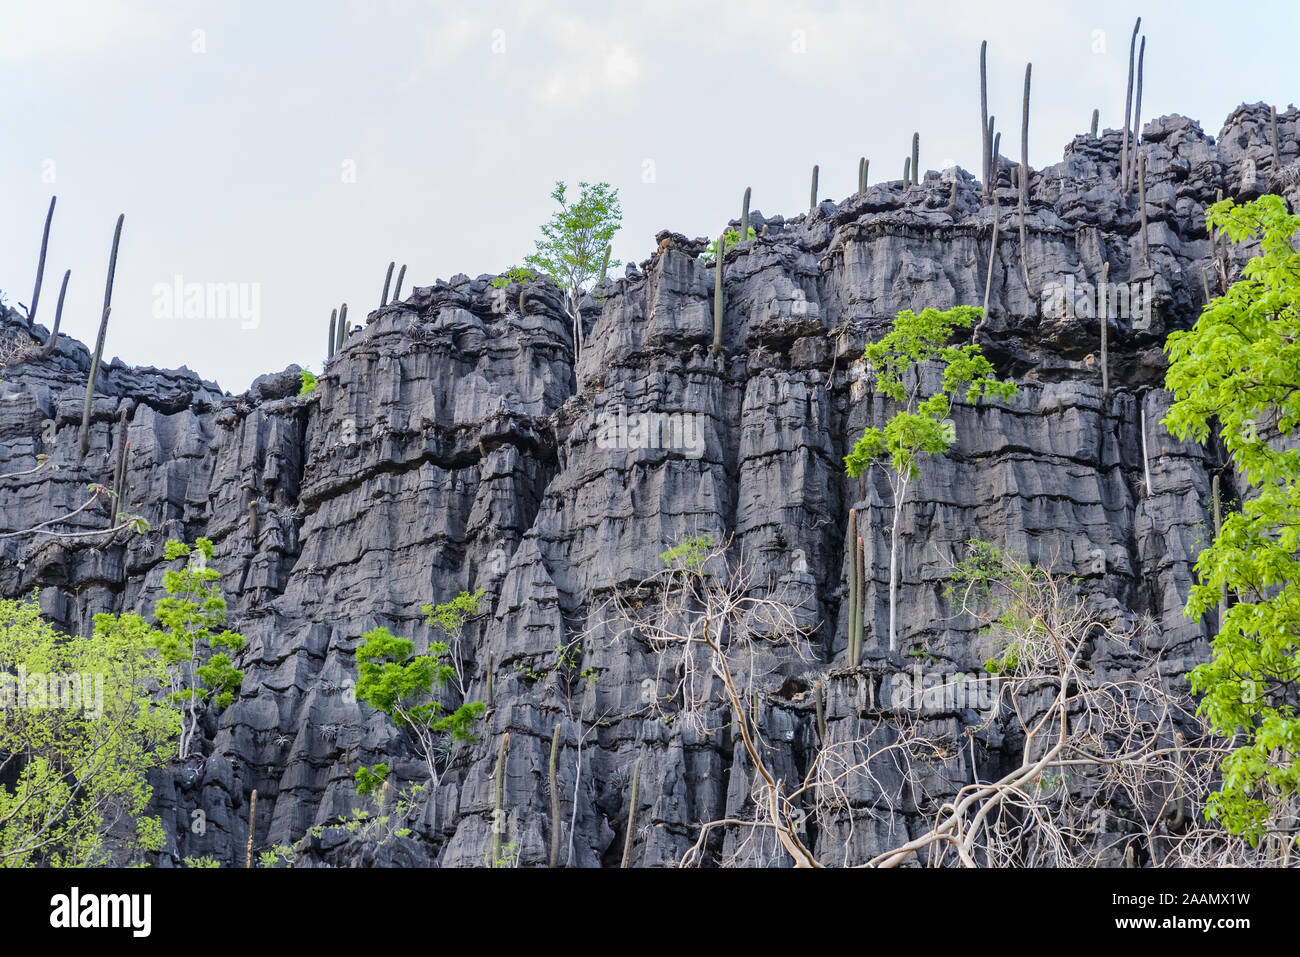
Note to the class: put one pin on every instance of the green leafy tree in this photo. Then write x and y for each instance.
(1238, 369)
(920, 426)
(730, 238)
(573, 244)
(450, 619)
(80, 728)
(308, 383)
(192, 617)
(403, 685)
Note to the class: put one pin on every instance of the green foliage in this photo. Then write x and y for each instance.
(204, 861)
(574, 242)
(451, 616)
(79, 732)
(1239, 366)
(281, 855)
(382, 824)
(193, 615)
(368, 779)
(308, 383)
(990, 576)
(691, 554)
(918, 427)
(401, 684)
(515, 274)
(731, 238)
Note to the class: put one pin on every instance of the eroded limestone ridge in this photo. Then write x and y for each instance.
(452, 444)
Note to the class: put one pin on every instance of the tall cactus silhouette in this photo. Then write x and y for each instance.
(916, 159)
(744, 216)
(1096, 115)
(40, 264)
(58, 317)
(334, 321)
(397, 292)
(717, 296)
(1128, 106)
(343, 328)
(862, 176)
(1024, 185)
(813, 199)
(555, 795)
(986, 135)
(631, 813)
(498, 798)
(99, 341)
(388, 278)
(1137, 113)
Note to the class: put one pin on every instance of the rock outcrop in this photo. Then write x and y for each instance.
(453, 444)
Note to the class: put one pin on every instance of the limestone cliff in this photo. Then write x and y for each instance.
(454, 444)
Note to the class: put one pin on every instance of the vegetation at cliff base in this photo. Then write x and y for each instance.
(1236, 375)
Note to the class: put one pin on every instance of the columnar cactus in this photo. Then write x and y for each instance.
(717, 296)
(1024, 185)
(119, 473)
(1096, 115)
(1137, 113)
(1128, 106)
(988, 283)
(855, 591)
(498, 799)
(1146, 462)
(388, 278)
(1272, 122)
(862, 176)
(99, 341)
(58, 317)
(813, 199)
(604, 264)
(334, 318)
(1218, 529)
(40, 264)
(555, 795)
(819, 703)
(1103, 313)
(252, 824)
(744, 216)
(1142, 203)
(907, 171)
(401, 274)
(343, 328)
(986, 141)
(631, 813)
(916, 159)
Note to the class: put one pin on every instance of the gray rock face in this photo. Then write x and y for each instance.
(454, 444)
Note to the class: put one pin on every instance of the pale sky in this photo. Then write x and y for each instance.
(228, 132)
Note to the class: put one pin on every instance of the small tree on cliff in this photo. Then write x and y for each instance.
(919, 428)
(403, 685)
(574, 246)
(1239, 367)
(192, 617)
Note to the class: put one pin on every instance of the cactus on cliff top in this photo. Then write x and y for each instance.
(40, 264)
(58, 317)
(99, 341)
